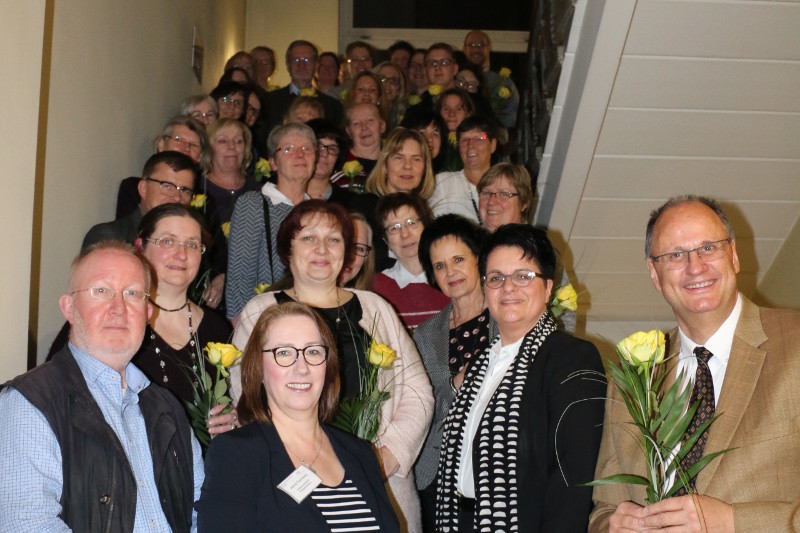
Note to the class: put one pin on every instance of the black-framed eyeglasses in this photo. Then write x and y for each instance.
(314, 355)
(106, 293)
(236, 102)
(169, 188)
(330, 149)
(678, 259)
(520, 278)
(168, 243)
(501, 195)
(363, 250)
(411, 224)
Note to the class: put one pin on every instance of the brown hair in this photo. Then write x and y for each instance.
(309, 209)
(520, 179)
(363, 280)
(378, 179)
(253, 405)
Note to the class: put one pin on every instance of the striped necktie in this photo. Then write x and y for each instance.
(704, 392)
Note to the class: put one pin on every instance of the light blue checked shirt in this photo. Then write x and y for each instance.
(30, 457)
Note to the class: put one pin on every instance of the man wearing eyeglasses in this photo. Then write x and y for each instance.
(747, 356)
(167, 177)
(457, 192)
(87, 442)
(477, 48)
(301, 63)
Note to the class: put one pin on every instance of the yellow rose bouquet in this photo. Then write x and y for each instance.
(198, 201)
(659, 416)
(208, 393)
(352, 168)
(361, 415)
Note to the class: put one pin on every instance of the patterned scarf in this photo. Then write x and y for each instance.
(496, 506)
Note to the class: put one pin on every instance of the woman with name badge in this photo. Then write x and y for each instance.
(286, 469)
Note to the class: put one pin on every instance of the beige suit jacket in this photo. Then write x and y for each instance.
(760, 417)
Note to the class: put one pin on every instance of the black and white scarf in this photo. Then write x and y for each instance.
(496, 505)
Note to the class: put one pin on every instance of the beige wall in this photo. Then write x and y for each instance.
(276, 24)
(119, 71)
(21, 34)
(780, 286)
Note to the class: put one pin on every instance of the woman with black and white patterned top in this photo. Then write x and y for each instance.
(286, 469)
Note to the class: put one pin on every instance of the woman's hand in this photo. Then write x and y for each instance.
(219, 423)
(213, 295)
(389, 462)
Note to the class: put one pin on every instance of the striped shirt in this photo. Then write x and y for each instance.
(343, 508)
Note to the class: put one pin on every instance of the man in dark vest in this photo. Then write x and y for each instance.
(87, 443)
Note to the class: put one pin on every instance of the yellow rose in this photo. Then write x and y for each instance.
(222, 355)
(504, 93)
(643, 349)
(226, 229)
(435, 89)
(198, 201)
(261, 287)
(452, 138)
(505, 72)
(381, 355)
(567, 297)
(263, 167)
(414, 99)
(352, 169)
(310, 92)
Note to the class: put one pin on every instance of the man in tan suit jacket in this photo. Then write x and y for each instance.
(756, 486)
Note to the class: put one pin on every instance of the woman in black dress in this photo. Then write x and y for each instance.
(170, 238)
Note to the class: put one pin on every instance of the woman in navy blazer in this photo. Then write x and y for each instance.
(290, 383)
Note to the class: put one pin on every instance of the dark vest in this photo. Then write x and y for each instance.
(99, 489)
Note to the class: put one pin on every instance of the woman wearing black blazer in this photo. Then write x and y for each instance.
(290, 387)
(524, 429)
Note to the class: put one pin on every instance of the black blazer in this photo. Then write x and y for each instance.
(281, 99)
(548, 502)
(243, 470)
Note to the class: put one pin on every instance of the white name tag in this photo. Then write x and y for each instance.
(300, 483)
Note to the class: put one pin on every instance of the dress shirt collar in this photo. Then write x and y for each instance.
(721, 341)
(403, 277)
(277, 197)
(93, 370)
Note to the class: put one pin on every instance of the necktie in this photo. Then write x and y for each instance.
(704, 392)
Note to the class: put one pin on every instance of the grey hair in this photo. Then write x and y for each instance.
(680, 200)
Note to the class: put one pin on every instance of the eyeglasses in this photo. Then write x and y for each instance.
(468, 85)
(291, 149)
(362, 59)
(680, 258)
(394, 80)
(520, 278)
(476, 45)
(410, 224)
(183, 142)
(330, 149)
(298, 60)
(199, 115)
(105, 293)
(501, 195)
(236, 102)
(433, 63)
(478, 139)
(169, 188)
(314, 355)
(168, 243)
(363, 249)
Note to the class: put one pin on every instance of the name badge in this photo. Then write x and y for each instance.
(300, 483)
